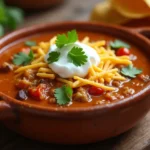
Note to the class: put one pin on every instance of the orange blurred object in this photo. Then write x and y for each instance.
(132, 8)
(131, 13)
(105, 12)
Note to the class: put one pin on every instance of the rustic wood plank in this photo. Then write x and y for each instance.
(137, 138)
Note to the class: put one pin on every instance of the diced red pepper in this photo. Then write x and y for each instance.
(37, 92)
(95, 91)
(123, 51)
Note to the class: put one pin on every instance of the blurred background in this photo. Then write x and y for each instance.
(16, 14)
(21, 13)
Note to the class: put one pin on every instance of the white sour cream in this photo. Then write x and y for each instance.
(66, 69)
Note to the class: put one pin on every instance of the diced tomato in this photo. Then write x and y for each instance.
(37, 92)
(25, 50)
(123, 51)
(95, 91)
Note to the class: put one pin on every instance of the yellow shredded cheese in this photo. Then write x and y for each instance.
(107, 88)
(38, 65)
(45, 75)
(97, 75)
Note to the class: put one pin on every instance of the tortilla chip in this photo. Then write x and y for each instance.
(104, 12)
(132, 8)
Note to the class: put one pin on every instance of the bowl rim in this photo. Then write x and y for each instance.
(64, 110)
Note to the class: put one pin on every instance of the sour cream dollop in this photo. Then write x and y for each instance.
(66, 69)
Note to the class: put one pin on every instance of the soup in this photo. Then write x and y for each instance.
(75, 69)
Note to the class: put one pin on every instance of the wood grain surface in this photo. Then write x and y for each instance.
(137, 138)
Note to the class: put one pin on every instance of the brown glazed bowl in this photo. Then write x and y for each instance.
(76, 125)
(34, 4)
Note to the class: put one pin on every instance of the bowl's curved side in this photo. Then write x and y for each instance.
(81, 130)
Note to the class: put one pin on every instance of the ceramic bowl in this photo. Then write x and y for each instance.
(76, 125)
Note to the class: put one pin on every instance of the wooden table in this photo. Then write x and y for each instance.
(137, 138)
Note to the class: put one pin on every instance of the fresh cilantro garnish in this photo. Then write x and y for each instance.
(22, 58)
(62, 39)
(30, 43)
(53, 56)
(63, 95)
(118, 44)
(131, 71)
(77, 56)
(10, 17)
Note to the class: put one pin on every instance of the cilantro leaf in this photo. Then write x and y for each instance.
(31, 55)
(119, 44)
(1, 30)
(68, 91)
(3, 15)
(131, 71)
(63, 95)
(62, 39)
(72, 36)
(77, 56)
(15, 17)
(10, 17)
(53, 56)
(22, 58)
(30, 43)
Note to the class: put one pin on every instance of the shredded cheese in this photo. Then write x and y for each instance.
(45, 75)
(97, 75)
(38, 65)
(94, 84)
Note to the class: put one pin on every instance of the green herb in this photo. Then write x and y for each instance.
(31, 55)
(53, 56)
(62, 39)
(15, 17)
(22, 58)
(131, 71)
(118, 44)
(63, 95)
(77, 56)
(3, 14)
(1, 30)
(30, 43)
(10, 17)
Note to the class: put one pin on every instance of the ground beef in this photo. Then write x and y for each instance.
(51, 92)
(116, 83)
(100, 102)
(52, 100)
(144, 78)
(81, 95)
(111, 96)
(128, 91)
(29, 74)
